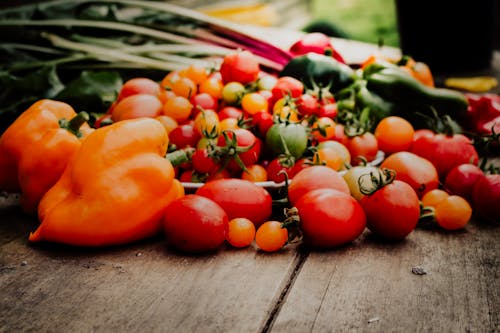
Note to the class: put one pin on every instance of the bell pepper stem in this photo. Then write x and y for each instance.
(73, 125)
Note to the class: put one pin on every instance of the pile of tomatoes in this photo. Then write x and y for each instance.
(233, 128)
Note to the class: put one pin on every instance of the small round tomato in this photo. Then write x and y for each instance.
(183, 136)
(196, 73)
(315, 177)
(253, 103)
(307, 104)
(239, 198)
(255, 173)
(461, 180)
(241, 232)
(195, 224)
(239, 144)
(329, 157)
(275, 171)
(433, 197)
(178, 107)
(168, 122)
(230, 112)
(330, 218)
(340, 149)
(137, 106)
(417, 171)
(232, 92)
(328, 110)
(323, 129)
(453, 212)
(353, 178)
(202, 162)
(392, 211)
(206, 122)
(212, 86)
(290, 139)
(271, 236)
(287, 86)
(263, 121)
(203, 101)
(140, 85)
(184, 87)
(362, 146)
(240, 66)
(394, 134)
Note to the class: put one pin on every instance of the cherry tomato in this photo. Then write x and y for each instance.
(244, 140)
(461, 180)
(410, 168)
(141, 85)
(239, 198)
(328, 110)
(202, 162)
(362, 146)
(232, 92)
(271, 236)
(330, 218)
(323, 129)
(203, 101)
(253, 103)
(241, 66)
(196, 73)
(307, 104)
(434, 197)
(263, 121)
(168, 122)
(353, 178)
(255, 173)
(289, 139)
(315, 177)
(183, 136)
(340, 150)
(136, 106)
(212, 86)
(287, 86)
(392, 211)
(230, 112)
(241, 232)
(329, 157)
(394, 134)
(184, 87)
(275, 171)
(194, 223)
(207, 122)
(453, 212)
(178, 107)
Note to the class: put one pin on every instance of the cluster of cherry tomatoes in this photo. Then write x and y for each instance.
(241, 123)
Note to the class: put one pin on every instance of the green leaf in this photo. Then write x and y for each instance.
(93, 91)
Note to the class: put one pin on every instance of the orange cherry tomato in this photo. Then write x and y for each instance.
(241, 232)
(394, 134)
(271, 236)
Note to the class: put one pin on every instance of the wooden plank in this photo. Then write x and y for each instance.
(369, 286)
(143, 287)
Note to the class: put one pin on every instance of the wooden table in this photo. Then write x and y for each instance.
(367, 286)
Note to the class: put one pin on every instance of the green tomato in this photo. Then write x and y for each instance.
(287, 139)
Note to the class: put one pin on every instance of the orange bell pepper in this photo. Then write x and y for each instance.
(36, 147)
(114, 190)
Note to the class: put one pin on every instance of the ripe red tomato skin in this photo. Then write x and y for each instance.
(330, 218)
(273, 171)
(195, 224)
(315, 177)
(139, 85)
(392, 212)
(461, 180)
(287, 85)
(486, 196)
(241, 66)
(445, 151)
(183, 136)
(202, 162)
(239, 198)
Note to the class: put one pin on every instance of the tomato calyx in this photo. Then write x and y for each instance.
(371, 182)
(230, 151)
(178, 157)
(292, 224)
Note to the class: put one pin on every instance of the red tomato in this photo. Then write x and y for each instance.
(202, 162)
(307, 104)
(486, 196)
(330, 218)
(194, 223)
(417, 171)
(263, 121)
(241, 66)
(136, 106)
(183, 136)
(392, 211)
(245, 140)
(141, 85)
(364, 145)
(230, 112)
(461, 180)
(239, 198)
(275, 171)
(445, 151)
(285, 86)
(328, 110)
(203, 101)
(315, 177)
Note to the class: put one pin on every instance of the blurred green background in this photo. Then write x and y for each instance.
(371, 21)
